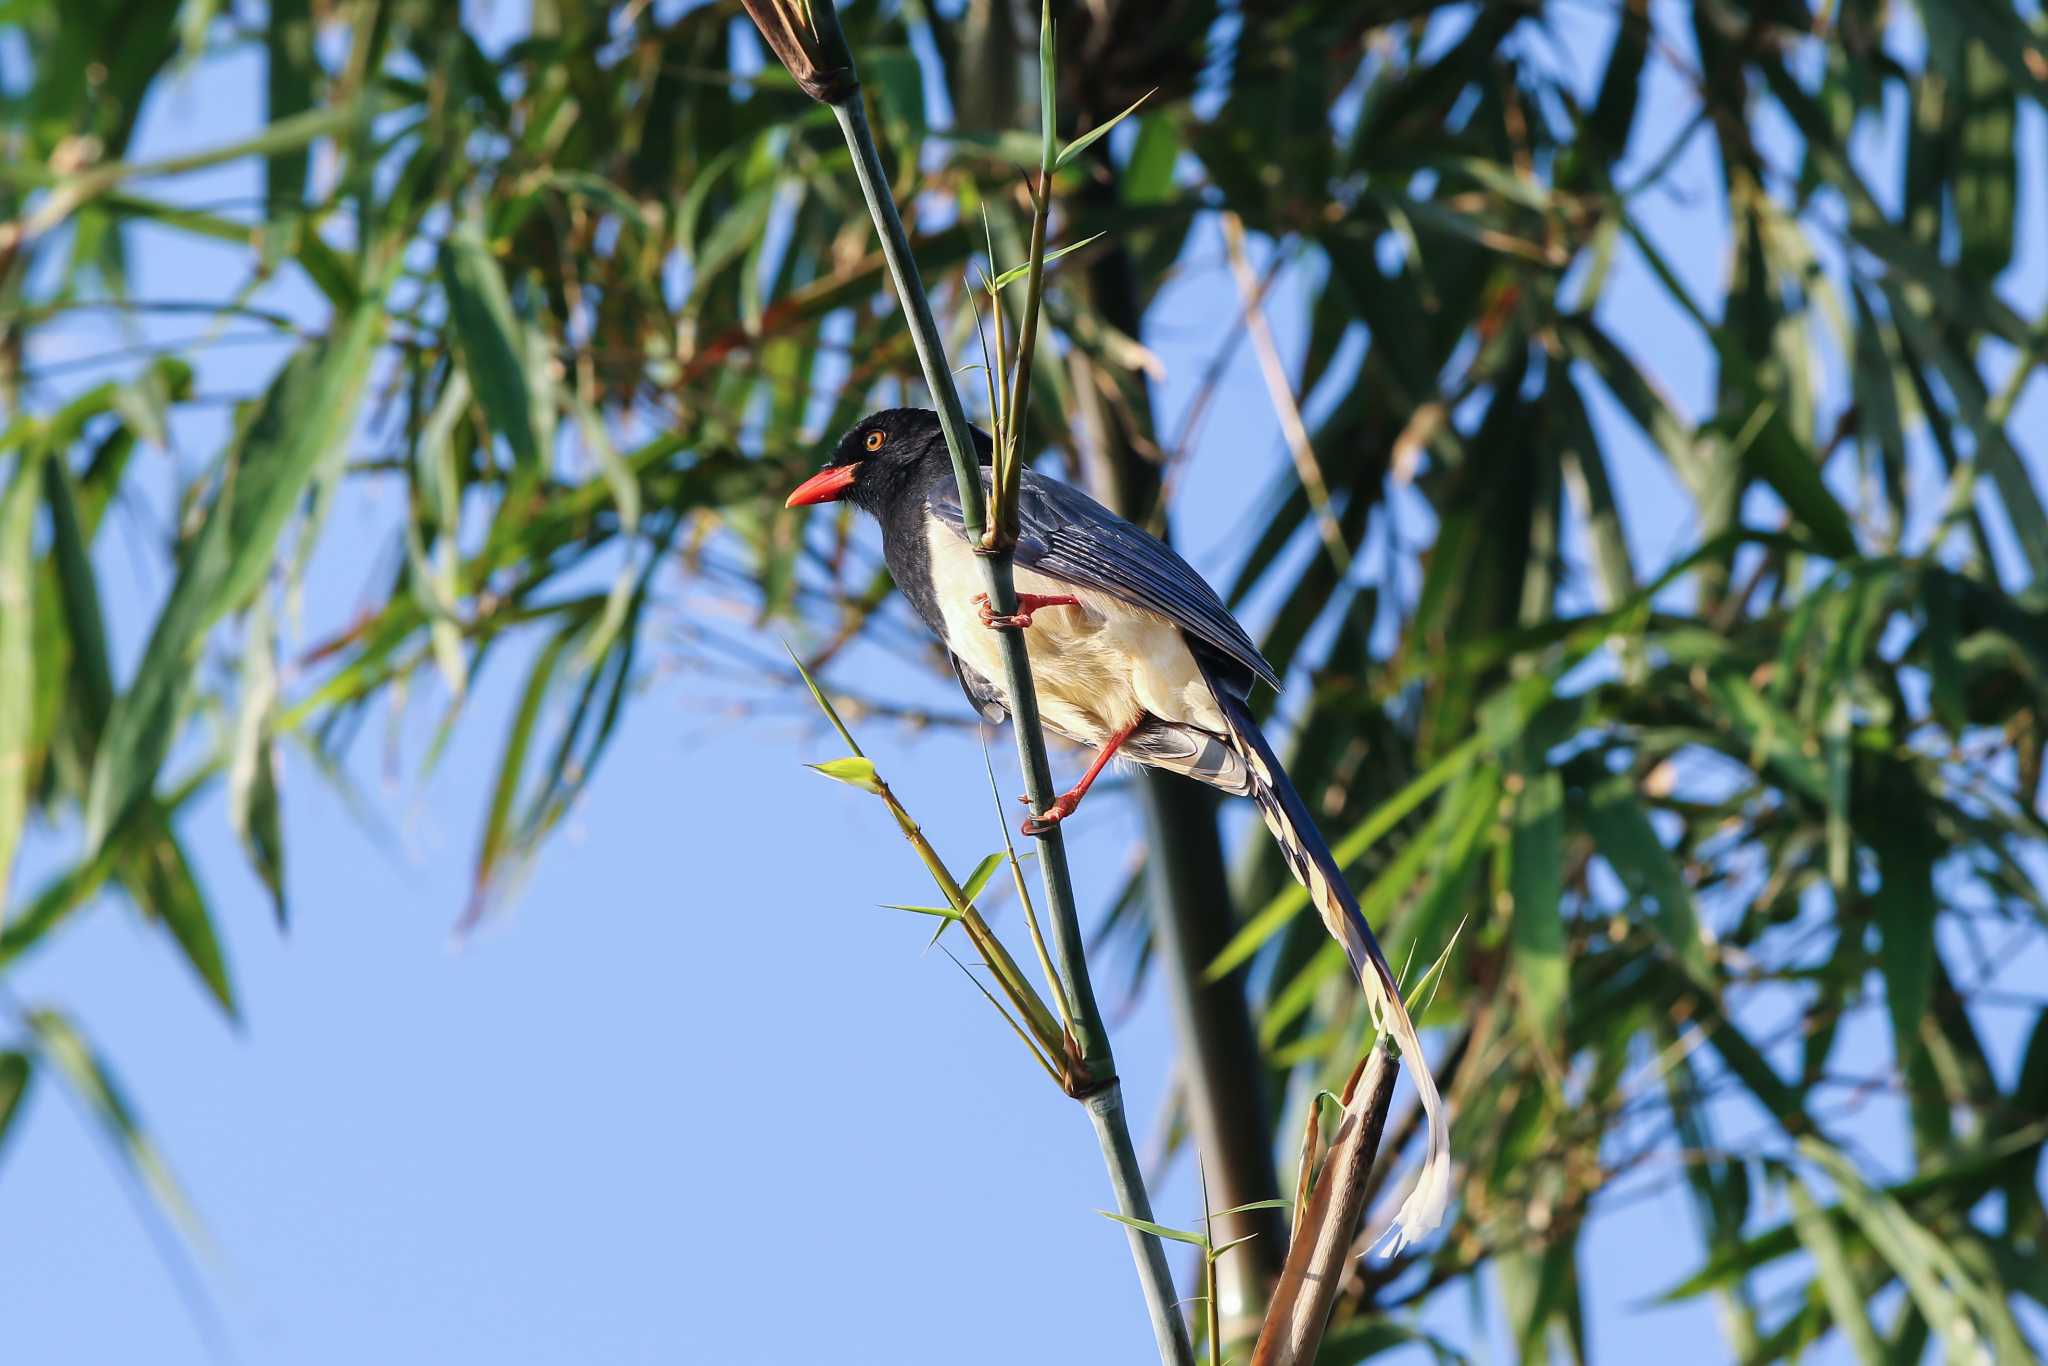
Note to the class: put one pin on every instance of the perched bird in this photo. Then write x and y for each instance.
(1133, 655)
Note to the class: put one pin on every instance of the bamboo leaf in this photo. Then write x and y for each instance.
(1178, 1235)
(1837, 1280)
(1089, 138)
(852, 770)
(490, 341)
(17, 662)
(983, 871)
(1536, 881)
(824, 702)
(306, 412)
(943, 912)
(60, 1046)
(16, 1073)
(1016, 273)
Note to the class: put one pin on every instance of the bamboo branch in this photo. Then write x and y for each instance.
(823, 48)
(1321, 1251)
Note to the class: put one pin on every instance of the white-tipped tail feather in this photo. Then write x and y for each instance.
(1315, 868)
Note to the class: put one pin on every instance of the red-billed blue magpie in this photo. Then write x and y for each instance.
(1133, 655)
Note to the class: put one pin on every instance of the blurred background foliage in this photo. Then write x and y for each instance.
(1742, 833)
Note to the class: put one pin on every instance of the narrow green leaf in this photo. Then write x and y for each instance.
(1016, 273)
(1837, 1280)
(1178, 1235)
(824, 702)
(1939, 1287)
(943, 912)
(1088, 139)
(1536, 882)
(288, 83)
(17, 660)
(252, 763)
(66, 1051)
(490, 341)
(15, 1076)
(853, 770)
(78, 597)
(983, 871)
(499, 838)
(307, 411)
(156, 873)
(1622, 830)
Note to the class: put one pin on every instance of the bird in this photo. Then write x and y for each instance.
(1133, 656)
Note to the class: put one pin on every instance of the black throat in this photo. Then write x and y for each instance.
(900, 502)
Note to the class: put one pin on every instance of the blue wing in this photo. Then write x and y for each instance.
(1064, 534)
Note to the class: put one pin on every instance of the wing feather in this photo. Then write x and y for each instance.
(1064, 534)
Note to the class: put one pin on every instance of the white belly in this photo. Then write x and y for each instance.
(1098, 666)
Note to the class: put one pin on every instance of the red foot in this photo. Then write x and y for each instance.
(1027, 604)
(1064, 804)
(1062, 807)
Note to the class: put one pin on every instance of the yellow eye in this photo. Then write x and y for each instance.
(875, 440)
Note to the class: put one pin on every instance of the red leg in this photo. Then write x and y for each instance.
(1027, 603)
(1063, 806)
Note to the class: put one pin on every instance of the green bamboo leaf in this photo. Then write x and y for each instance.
(983, 871)
(1780, 459)
(852, 770)
(943, 912)
(1987, 175)
(289, 71)
(1016, 273)
(490, 341)
(252, 763)
(1178, 1235)
(1838, 1281)
(824, 702)
(499, 838)
(1536, 882)
(1221, 1248)
(1944, 1294)
(78, 597)
(1955, 1184)
(307, 411)
(1088, 139)
(1905, 907)
(16, 1073)
(65, 1051)
(156, 873)
(1622, 830)
(17, 660)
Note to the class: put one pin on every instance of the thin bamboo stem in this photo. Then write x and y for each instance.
(1098, 1088)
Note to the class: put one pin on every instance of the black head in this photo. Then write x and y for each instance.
(880, 456)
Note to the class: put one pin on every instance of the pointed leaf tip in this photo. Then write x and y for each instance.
(853, 771)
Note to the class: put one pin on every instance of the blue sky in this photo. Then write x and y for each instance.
(690, 1097)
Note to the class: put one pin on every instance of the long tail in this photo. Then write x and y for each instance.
(1315, 868)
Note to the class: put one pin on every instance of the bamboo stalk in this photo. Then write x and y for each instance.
(824, 49)
(1299, 1311)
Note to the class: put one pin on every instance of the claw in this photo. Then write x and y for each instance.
(1027, 605)
(1062, 807)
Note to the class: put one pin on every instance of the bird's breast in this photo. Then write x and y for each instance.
(1098, 667)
